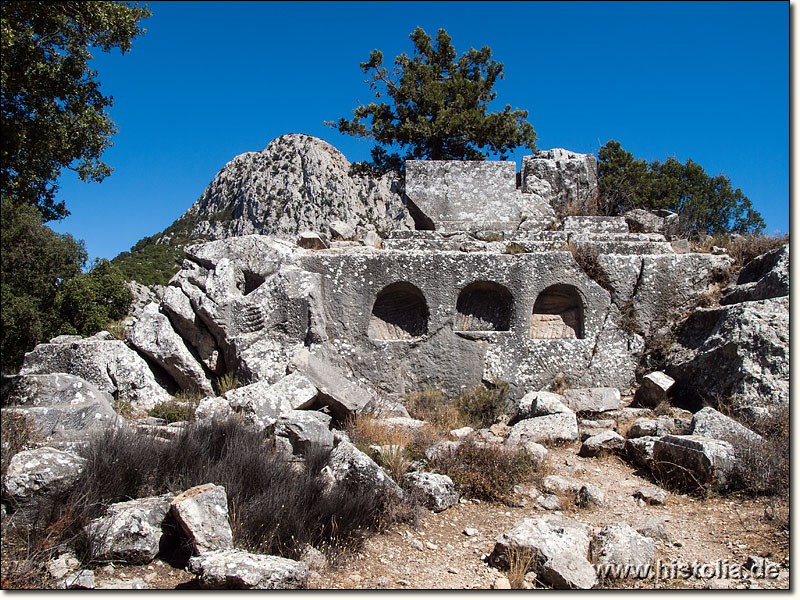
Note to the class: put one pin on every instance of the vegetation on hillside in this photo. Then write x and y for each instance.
(705, 203)
(437, 107)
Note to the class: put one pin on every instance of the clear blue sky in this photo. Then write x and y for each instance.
(208, 81)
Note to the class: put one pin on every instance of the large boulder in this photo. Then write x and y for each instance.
(347, 465)
(605, 442)
(739, 352)
(128, 531)
(240, 570)
(766, 276)
(653, 389)
(202, 513)
(711, 423)
(694, 460)
(108, 364)
(558, 427)
(436, 492)
(558, 548)
(562, 178)
(153, 335)
(36, 479)
(186, 322)
(63, 407)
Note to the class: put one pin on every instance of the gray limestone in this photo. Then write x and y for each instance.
(707, 461)
(622, 545)
(566, 180)
(240, 570)
(436, 492)
(202, 513)
(559, 427)
(592, 400)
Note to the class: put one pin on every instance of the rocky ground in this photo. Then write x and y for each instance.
(448, 550)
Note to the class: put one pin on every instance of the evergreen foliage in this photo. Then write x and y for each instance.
(437, 108)
(704, 202)
(53, 113)
(44, 292)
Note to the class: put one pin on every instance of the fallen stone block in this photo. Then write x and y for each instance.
(654, 389)
(238, 569)
(437, 492)
(202, 513)
(592, 400)
(694, 460)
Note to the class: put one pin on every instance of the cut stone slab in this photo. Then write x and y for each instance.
(437, 492)
(202, 512)
(336, 391)
(306, 430)
(622, 545)
(311, 241)
(558, 547)
(711, 423)
(654, 389)
(239, 569)
(129, 531)
(608, 441)
(543, 430)
(592, 400)
(708, 460)
(538, 404)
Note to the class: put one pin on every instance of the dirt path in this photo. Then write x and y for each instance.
(438, 554)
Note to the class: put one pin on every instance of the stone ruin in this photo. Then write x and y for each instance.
(472, 279)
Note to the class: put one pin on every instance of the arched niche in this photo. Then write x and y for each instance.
(484, 306)
(399, 313)
(558, 314)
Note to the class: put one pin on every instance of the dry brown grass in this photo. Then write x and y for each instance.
(435, 407)
(587, 258)
(520, 561)
(742, 248)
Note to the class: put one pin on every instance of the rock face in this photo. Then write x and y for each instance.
(65, 408)
(437, 492)
(766, 276)
(202, 513)
(561, 178)
(239, 570)
(739, 352)
(153, 335)
(109, 365)
(296, 183)
(129, 531)
(559, 549)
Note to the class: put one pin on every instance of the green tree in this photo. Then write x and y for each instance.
(704, 202)
(437, 107)
(53, 113)
(87, 303)
(36, 262)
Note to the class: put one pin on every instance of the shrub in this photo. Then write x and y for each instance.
(482, 405)
(515, 248)
(628, 319)
(486, 472)
(435, 407)
(173, 411)
(18, 433)
(274, 507)
(520, 561)
(560, 384)
(588, 259)
(226, 383)
(762, 467)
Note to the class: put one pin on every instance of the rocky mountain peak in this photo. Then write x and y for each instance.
(298, 182)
